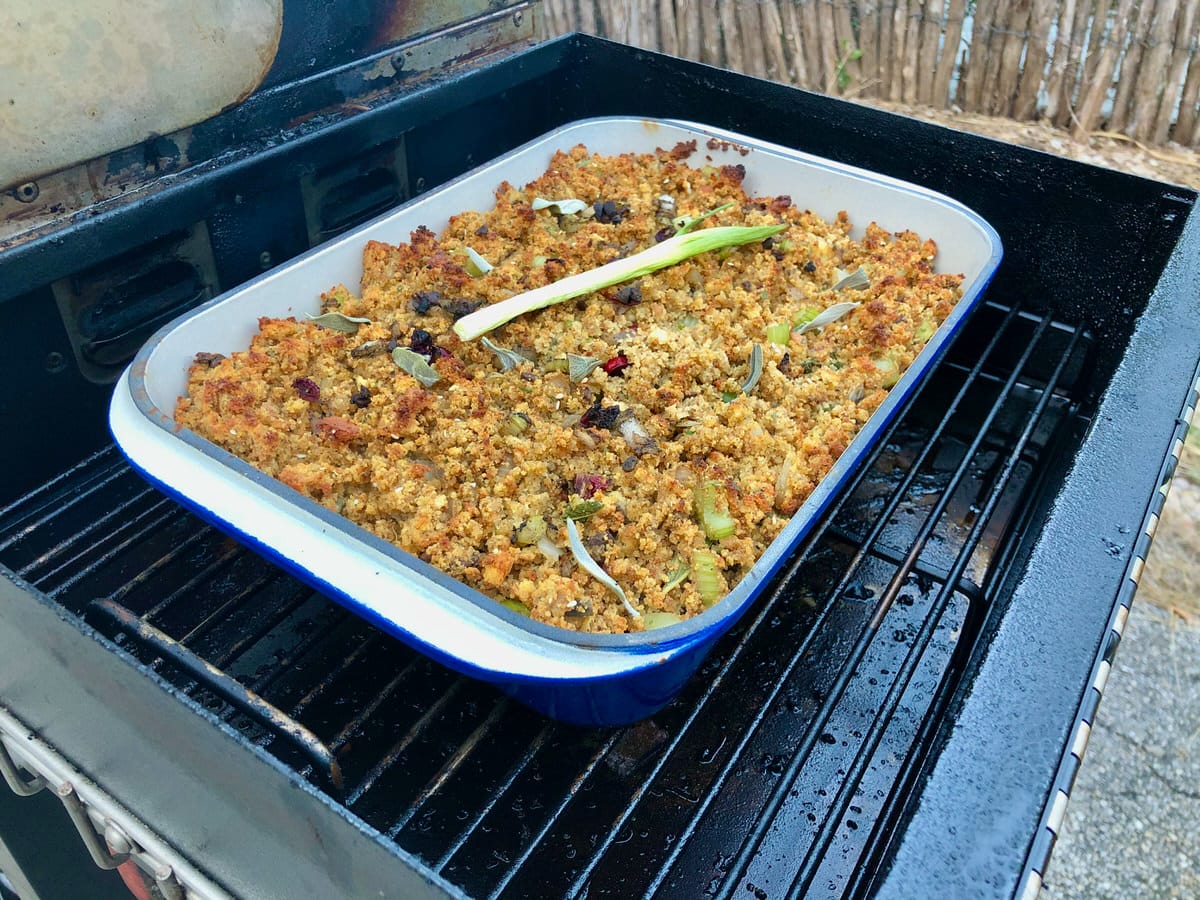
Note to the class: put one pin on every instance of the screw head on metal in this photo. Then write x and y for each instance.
(27, 192)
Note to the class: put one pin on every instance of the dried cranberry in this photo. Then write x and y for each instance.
(424, 301)
(361, 398)
(460, 308)
(307, 389)
(662, 234)
(421, 342)
(481, 231)
(629, 295)
(208, 359)
(616, 366)
(810, 267)
(608, 212)
(587, 485)
(785, 363)
(598, 416)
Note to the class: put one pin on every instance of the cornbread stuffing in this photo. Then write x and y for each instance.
(678, 420)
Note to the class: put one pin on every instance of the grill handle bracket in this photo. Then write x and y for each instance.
(21, 786)
(209, 677)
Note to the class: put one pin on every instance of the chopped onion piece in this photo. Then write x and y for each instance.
(477, 266)
(637, 437)
(548, 547)
(756, 369)
(564, 207)
(654, 620)
(593, 568)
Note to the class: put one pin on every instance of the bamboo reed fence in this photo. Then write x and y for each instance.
(1130, 67)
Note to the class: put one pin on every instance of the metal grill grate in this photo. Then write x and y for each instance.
(781, 768)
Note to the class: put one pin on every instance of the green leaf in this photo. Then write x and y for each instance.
(336, 321)
(508, 359)
(580, 367)
(415, 365)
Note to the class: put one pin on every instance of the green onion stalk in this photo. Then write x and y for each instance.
(671, 251)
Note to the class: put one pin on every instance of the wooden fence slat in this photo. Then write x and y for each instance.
(912, 50)
(1037, 54)
(1056, 80)
(589, 21)
(754, 50)
(1075, 84)
(731, 34)
(847, 42)
(1185, 128)
(1088, 114)
(1096, 38)
(871, 13)
(1008, 66)
(895, 77)
(955, 16)
(829, 48)
(1131, 64)
(1152, 88)
(931, 28)
(883, 52)
(1001, 32)
(667, 37)
(687, 28)
(975, 64)
(771, 24)
(813, 50)
(1185, 20)
(793, 44)
(710, 28)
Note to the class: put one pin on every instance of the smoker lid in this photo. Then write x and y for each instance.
(84, 78)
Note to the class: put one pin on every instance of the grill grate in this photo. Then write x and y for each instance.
(780, 769)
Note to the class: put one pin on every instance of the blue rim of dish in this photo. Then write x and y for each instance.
(707, 625)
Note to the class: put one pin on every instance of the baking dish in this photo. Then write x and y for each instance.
(583, 678)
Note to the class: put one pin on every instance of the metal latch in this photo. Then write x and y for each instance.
(111, 834)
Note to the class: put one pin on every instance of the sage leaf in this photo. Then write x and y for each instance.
(336, 321)
(827, 317)
(508, 359)
(852, 281)
(415, 365)
(580, 367)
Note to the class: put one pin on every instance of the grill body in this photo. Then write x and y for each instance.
(898, 711)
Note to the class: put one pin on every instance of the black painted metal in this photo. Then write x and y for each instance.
(916, 670)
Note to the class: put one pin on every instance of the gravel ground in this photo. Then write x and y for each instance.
(1134, 816)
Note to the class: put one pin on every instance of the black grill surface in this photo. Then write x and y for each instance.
(782, 768)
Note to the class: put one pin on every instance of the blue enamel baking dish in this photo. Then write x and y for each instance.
(581, 678)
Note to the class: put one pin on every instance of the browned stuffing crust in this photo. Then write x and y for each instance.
(458, 473)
